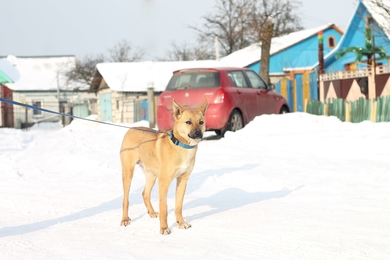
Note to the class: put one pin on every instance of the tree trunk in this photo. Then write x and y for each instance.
(265, 52)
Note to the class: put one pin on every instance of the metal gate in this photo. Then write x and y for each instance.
(105, 107)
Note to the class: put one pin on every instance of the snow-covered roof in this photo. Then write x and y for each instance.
(138, 76)
(380, 15)
(8, 72)
(251, 54)
(42, 73)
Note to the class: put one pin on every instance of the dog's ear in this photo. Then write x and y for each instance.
(177, 109)
(204, 107)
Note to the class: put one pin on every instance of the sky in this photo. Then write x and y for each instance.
(294, 186)
(90, 27)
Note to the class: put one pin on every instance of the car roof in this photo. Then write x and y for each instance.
(211, 69)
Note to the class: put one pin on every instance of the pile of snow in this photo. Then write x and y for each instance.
(284, 187)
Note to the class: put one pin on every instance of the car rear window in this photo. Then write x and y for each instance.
(194, 80)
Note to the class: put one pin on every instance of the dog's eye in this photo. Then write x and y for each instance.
(201, 122)
(188, 122)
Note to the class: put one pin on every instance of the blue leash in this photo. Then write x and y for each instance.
(174, 140)
(57, 113)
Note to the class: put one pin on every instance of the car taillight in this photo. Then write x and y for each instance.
(160, 101)
(219, 96)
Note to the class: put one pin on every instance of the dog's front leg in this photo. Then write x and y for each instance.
(163, 185)
(127, 175)
(181, 185)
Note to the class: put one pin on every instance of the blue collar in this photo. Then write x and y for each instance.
(177, 142)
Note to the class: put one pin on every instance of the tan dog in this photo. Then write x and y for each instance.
(165, 156)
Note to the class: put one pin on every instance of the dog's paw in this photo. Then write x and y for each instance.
(183, 225)
(125, 222)
(153, 214)
(165, 231)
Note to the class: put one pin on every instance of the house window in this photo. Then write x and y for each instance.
(331, 42)
(37, 103)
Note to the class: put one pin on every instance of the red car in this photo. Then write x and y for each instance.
(235, 95)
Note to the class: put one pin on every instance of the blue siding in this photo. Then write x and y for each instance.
(301, 54)
(290, 94)
(299, 92)
(145, 110)
(305, 53)
(313, 86)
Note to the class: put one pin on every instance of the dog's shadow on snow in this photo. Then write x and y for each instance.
(231, 198)
(224, 200)
(114, 204)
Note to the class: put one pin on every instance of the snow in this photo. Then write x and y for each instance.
(294, 186)
(380, 12)
(139, 76)
(7, 68)
(43, 73)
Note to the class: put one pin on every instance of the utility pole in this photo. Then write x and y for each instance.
(216, 48)
(321, 66)
(152, 121)
(372, 80)
(266, 47)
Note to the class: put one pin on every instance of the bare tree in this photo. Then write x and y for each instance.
(124, 52)
(239, 23)
(268, 19)
(382, 9)
(229, 23)
(184, 52)
(82, 71)
(284, 21)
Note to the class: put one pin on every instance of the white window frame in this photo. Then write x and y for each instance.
(37, 113)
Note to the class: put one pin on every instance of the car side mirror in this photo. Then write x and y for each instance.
(271, 86)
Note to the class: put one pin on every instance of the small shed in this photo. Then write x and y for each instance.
(122, 88)
(42, 84)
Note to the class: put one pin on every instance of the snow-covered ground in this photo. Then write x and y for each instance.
(293, 186)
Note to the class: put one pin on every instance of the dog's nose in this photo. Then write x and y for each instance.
(197, 134)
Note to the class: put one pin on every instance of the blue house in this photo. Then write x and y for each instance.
(291, 53)
(354, 37)
(292, 62)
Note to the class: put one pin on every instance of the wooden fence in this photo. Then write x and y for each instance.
(297, 89)
(376, 110)
(302, 94)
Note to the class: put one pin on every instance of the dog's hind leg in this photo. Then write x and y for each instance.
(181, 184)
(127, 175)
(150, 179)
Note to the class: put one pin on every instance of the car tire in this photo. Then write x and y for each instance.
(283, 110)
(235, 123)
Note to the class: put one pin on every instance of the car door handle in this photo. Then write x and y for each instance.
(238, 91)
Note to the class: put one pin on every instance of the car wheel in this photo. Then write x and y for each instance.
(283, 110)
(218, 132)
(235, 121)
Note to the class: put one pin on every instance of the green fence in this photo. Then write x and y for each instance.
(377, 110)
